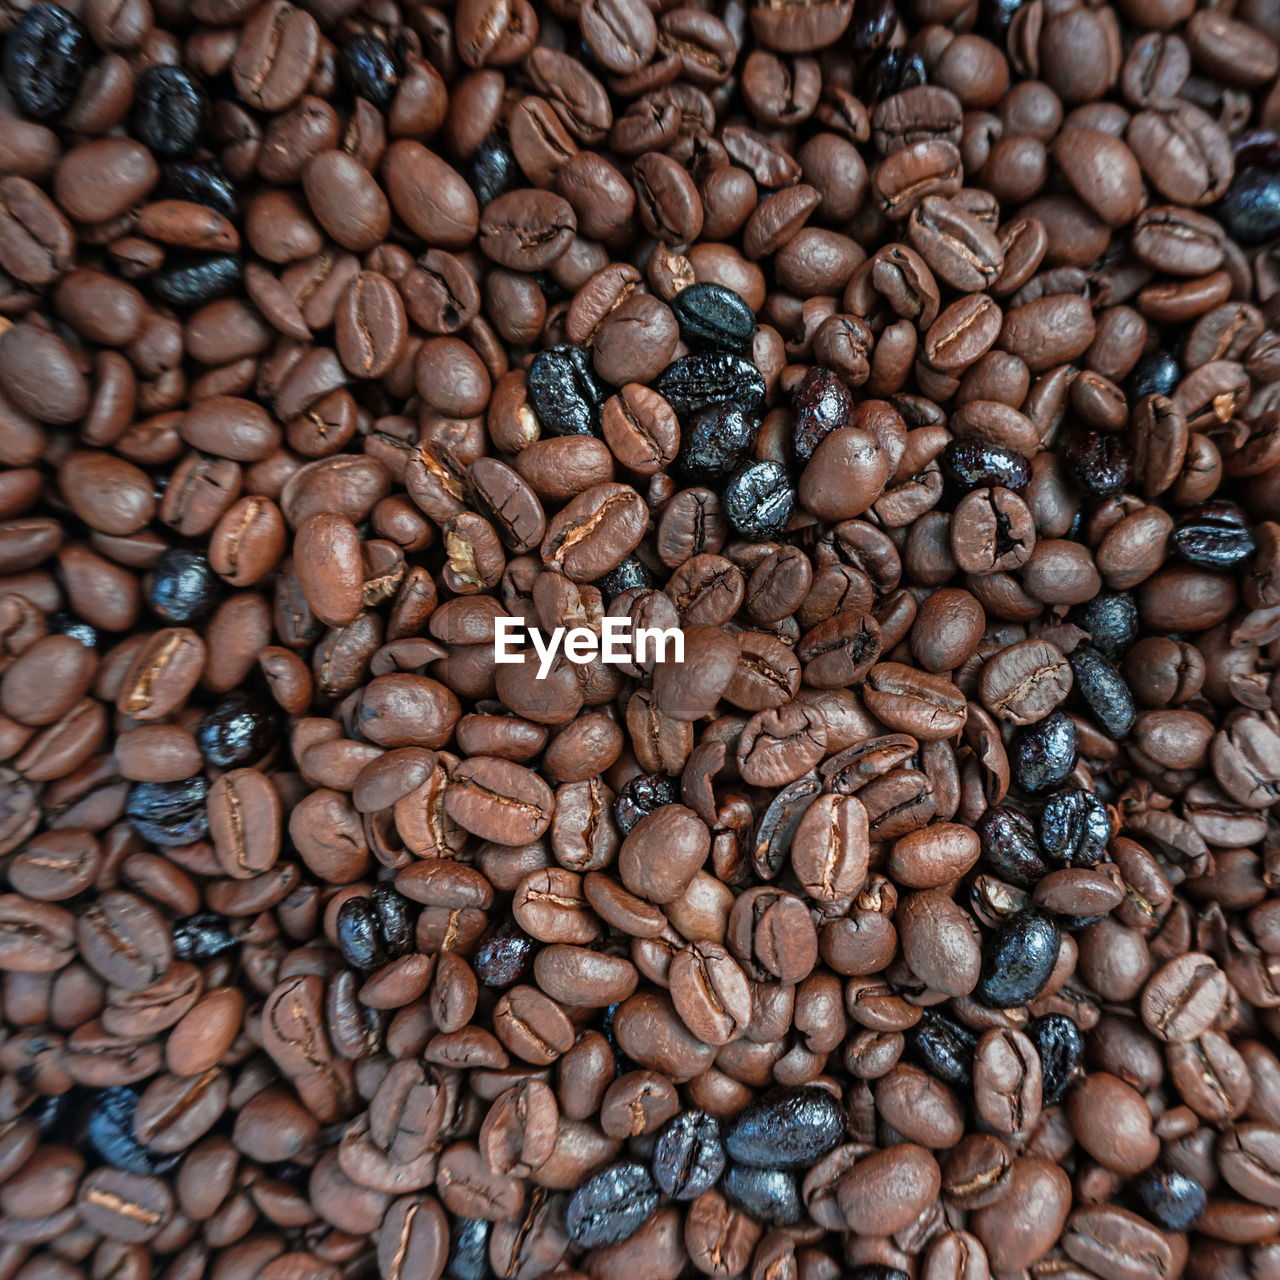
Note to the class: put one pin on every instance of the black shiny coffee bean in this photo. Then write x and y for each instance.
(1154, 375)
(759, 499)
(183, 588)
(1104, 691)
(358, 937)
(370, 68)
(1018, 960)
(185, 180)
(875, 1271)
(169, 110)
(1044, 753)
(872, 25)
(694, 382)
(768, 1195)
(1111, 619)
(46, 54)
(710, 315)
(169, 813)
(975, 464)
(110, 1133)
(191, 280)
(892, 71)
(62, 623)
(786, 1129)
(202, 936)
(640, 796)
(468, 1249)
(493, 171)
(505, 954)
(1061, 1048)
(1099, 462)
(565, 392)
(1074, 828)
(822, 403)
(1172, 1200)
(716, 441)
(943, 1047)
(240, 730)
(632, 572)
(994, 17)
(1250, 210)
(1009, 848)
(1215, 535)
(396, 918)
(688, 1157)
(611, 1206)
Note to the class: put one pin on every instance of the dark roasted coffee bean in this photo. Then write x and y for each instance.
(1111, 619)
(170, 813)
(712, 316)
(191, 281)
(641, 796)
(368, 65)
(358, 938)
(1074, 828)
(1061, 1048)
(715, 441)
(468, 1249)
(169, 111)
(1215, 535)
(698, 381)
(944, 1048)
(759, 499)
(629, 574)
(688, 1157)
(45, 56)
(183, 588)
(1250, 210)
(1018, 960)
(974, 464)
(504, 955)
(1044, 753)
(1100, 463)
(186, 180)
(611, 1205)
(1157, 374)
(1104, 691)
(768, 1195)
(565, 392)
(493, 170)
(787, 1129)
(202, 936)
(111, 1132)
(821, 404)
(238, 731)
(1174, 1200)
(1009, 847)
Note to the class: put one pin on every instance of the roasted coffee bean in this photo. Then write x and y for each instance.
(688, 1157)
(1074, 828)
(564, 391)
(1019, 960)
(45, 57)
(696, 382)
(611, 1206)
(759, 499)
(1045, 753)
(169, 111)
(788, 1129)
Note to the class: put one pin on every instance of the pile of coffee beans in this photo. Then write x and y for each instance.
(909, 908)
